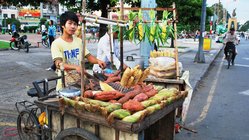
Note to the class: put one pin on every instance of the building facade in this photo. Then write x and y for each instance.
(7, 12)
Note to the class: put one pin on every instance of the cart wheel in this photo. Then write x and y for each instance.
(75, 134)
(27, 126)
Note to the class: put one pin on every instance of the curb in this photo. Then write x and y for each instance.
(207, 69)
(5, 49)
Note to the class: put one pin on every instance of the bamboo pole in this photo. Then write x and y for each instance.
(83, 57)
(102, 18)
(121, 37)
(103, 21)
(111, 39)
(175, 38)
(137, 8)
(83, 30)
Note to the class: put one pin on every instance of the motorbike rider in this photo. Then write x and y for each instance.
(230, 41)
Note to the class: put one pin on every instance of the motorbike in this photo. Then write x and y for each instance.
(45, 40)
(231, 54)
(18, 42)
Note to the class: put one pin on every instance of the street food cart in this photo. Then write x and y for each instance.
(83, 118)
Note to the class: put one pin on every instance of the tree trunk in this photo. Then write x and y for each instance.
(104, 9)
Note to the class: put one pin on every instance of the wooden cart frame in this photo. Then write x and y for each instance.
(159, 125)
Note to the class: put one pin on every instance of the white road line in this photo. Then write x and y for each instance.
(244, 92)
(241, 65)
(210, 97)
(245, 58)
(7, 124)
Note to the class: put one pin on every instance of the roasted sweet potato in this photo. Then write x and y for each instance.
(147, 88)
(113, 79)
(151, 93)
(88, 94)
(108, 95)
(133, 106)
(131, 94)
(140, 97)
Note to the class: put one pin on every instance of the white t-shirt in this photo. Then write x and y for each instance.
(22, 27)
(69, 52)
(43, 28)
(104, 53)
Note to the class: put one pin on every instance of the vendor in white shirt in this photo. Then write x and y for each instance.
(104, 52)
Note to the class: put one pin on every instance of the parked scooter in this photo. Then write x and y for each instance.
(17, 42)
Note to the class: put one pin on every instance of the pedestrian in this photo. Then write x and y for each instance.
(67, 49)
(51, 31)
(246, 35)
(13, 27)
(104, 52)
(9, 28)
(22, 28)
(43, 28)
(51, 37)
(197, 34)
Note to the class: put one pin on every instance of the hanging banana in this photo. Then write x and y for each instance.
(152, 26)
(131, 30)
(140, 26)
(164, 26)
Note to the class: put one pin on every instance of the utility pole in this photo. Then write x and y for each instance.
(218, 12)
(145, 46)
(41, 9)
(83, 6)
(199, 58)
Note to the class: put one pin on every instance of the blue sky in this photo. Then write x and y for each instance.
(242, 8)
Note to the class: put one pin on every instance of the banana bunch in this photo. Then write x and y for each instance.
(152, 25)
(164, 26)
(140, 26)
(165, 53)
(154, 32)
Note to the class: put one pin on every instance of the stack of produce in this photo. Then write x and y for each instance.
(132, 106)
(164, 53)
(162, 67)
(132, 77)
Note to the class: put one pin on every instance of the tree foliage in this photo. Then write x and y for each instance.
(43, 21)
(188, 11)
(245, 27)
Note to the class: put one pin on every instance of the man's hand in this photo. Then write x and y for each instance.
(101, 64)
(78, 69)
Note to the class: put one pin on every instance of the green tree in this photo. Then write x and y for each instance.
(12, 21)
(188, 11)
(244, 27)
(43, 21)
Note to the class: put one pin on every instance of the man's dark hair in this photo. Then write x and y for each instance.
(52, 22)
(68, 16)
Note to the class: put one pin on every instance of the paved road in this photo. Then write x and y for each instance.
(219, 109)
